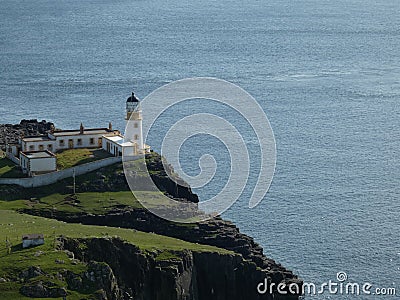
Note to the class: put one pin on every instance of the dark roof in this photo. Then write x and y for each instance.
(36, 138)
(133, 98)
(33, 236)
(87, 131)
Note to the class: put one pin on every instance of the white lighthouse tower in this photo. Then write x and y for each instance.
(133, 118)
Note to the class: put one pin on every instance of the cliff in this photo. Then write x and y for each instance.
(104, 199)
(216, 232)
(185, 276)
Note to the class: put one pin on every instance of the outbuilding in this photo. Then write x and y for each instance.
(29, 240)
(38, 162)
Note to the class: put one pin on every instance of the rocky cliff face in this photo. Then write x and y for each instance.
(186, 276)
(216, 232)
(10, 133)
(193, 273)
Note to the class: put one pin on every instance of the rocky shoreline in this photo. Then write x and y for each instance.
(10, 133)
(132, 274)
(215, 232)
(190, 275)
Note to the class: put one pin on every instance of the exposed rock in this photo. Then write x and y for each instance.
(40, 290)
(190, 275)
(74, 281)
(69, 254)
(59, 261)
(138, 276)
(10, 133)
(215, 232)
(38, 253)
(102, 275)
(32, 272)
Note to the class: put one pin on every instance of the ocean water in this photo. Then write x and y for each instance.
(327, 74)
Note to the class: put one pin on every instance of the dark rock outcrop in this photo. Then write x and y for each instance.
(42, 290)
(190, 275)
(215, 232)
(10, 133)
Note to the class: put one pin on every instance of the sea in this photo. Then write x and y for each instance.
(326, 74)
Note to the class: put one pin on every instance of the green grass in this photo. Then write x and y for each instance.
(89, 202)
(57, 196)
(13, 225)
(9, 170)
(64, 186)
(74, 157)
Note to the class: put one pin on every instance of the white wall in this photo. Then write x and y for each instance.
(52, 177)
(43, 164)
(84, 141)
(26, 146)
(13, 158)
(115, 148)
(133, 131)
(128, 151)
(24, 163)
(29, 243)
(56, 146)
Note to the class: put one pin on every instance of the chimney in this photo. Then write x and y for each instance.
(81, 129)
(110, 126)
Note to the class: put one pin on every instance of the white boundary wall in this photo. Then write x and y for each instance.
(53, 177)
(12, 158)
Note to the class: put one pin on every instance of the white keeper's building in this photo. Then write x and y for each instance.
(37, 162)
(133, 144)
(35, 154)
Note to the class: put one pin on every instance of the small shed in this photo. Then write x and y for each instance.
(37, 162)
(35, 239)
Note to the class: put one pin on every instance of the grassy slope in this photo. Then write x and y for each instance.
(8, 169)
(57, 196)
(13, 225)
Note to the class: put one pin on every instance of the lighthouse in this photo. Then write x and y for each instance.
(134, 123)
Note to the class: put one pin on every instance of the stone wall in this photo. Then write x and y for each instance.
(12, 158)
(49, 178)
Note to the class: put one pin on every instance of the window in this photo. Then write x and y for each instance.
(135, 125)
(61, 143)
(99, 142)
(91, 141)
(41, 147)
(50, 147)
(79, 142)
(31, 147)
(136, 137)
